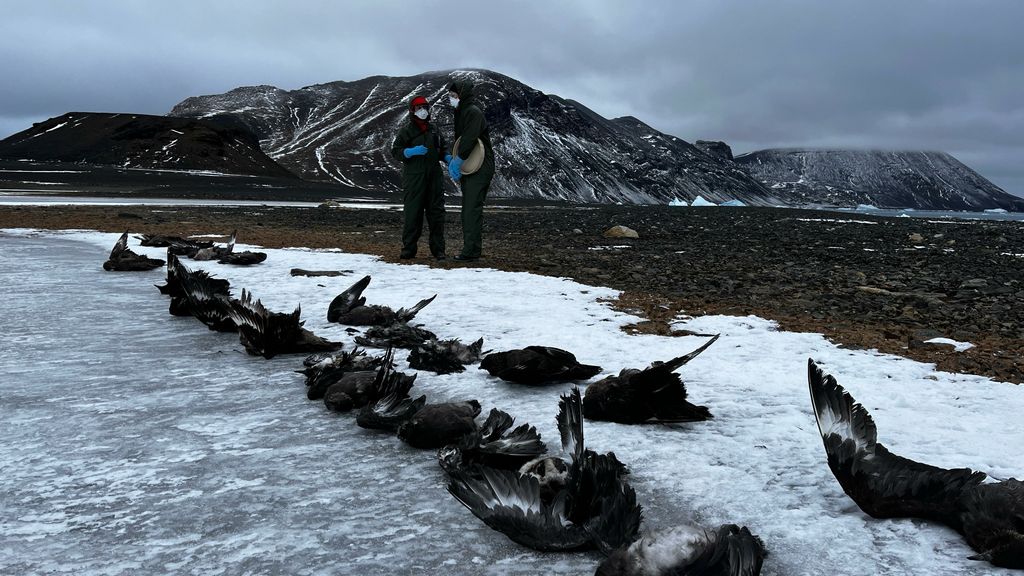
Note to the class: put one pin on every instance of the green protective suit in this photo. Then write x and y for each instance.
(471, 125)
(422, 186)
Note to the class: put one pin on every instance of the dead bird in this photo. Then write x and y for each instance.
(653, 395)
(393, 405)
(227, 254)
(399, 335)
(988, 513)
(174, 288)
(728, 550)
(436, 425)
(445, 356)
(209, 302)
(178, 274)
(356, 359)
(175, 244)
(357, 389)
(350, 308)
(537, 365)
(122, 259)
(495, 444)
(265, 333)
(593, 505)
(246, 258)
(325, 368)
(214, 252)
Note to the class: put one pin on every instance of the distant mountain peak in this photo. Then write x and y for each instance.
(546, 146)
(883, 178)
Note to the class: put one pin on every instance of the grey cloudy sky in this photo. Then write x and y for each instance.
(910, 74)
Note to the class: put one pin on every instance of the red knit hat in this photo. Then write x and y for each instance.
(418, 101)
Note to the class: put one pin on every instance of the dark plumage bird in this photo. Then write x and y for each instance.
(495, 445)
(246, 258)
(988, 513)
(196, 293)
(350, 308)
(124, 260)
(537, 365)
(227, 254)
(590, 506)
(445, 356)
(175, 244)
(728, 551)
(325, 369)
(209, 301)
(173, 287)
(393, 406)
(213, 252)
(399, 335)
(655, 394)
(267, 334)
(177, 274)
(436, 425)
(357, 389)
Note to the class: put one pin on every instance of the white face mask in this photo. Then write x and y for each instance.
(454, 100)
(422, 113)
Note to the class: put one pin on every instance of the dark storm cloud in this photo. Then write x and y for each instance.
(935, 75)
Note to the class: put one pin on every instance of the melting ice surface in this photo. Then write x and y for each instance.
(134, 442)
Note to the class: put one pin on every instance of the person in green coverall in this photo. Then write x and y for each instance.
(470, 125)
(418, 146)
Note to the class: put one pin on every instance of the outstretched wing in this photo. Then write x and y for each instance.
(731, 550)
(207, 302)
(347, 300)
(120, 246)
(406, 315)
(675, 363)
(499, 445)
(392, 405)
(570, 423)
(604, 502)
(511, 504)
(882, 484)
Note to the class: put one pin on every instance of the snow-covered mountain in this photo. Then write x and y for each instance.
(143, 141)
(545, 146)
(896, 179)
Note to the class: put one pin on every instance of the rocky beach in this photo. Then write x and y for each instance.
(864, 281)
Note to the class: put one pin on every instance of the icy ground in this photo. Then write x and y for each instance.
(134, 442)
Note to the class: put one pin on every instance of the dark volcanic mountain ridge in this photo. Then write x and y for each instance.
(143, 141)
(546, 147)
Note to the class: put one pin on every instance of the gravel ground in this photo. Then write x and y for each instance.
(885, 283)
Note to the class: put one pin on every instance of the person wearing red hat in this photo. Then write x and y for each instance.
(420, 148)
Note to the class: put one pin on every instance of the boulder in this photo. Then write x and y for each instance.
(620, 232)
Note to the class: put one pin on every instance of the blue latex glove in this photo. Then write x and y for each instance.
(415, 151)
(447, 158)
(455, 168)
